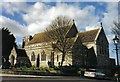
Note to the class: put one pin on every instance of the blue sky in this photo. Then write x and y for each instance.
(28, 18)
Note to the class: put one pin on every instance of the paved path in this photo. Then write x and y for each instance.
(34, 78)
(12, 75)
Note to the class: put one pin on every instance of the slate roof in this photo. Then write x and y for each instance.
(88, 36)
(39, 38)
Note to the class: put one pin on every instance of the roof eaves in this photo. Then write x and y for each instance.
(75, 40)
(98, 33)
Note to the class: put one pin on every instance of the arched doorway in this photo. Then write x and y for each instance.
(33, 56)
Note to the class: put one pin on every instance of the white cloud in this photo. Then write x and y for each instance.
(14, 27)
(14, 7)
(35, 13)
(109, 17)
(37, 27)
(91, 28)
(110, 38)
(40, 15)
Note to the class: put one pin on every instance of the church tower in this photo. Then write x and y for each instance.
(26, 40)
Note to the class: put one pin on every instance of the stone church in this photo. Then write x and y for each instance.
(89, 48)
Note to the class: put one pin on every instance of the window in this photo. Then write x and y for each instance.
(12, 60)
(52, 56)
(33, 56)
(43, 56)
(102, 50)
(105, 49)
(102, 47)
(57, 58)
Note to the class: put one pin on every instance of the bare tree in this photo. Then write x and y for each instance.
(57, 31)
(116, 29)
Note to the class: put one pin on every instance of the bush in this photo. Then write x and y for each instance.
(69, 69)
(22, 65)
(56, 68)
(6, 65)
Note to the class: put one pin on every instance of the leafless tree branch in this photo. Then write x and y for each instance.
(57, 32)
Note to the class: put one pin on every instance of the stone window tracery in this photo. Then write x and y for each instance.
(33, 56)
(43, 56)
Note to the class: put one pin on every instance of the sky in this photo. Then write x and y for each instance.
(28, 18)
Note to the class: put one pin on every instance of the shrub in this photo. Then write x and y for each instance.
(6, 65)
(69, 69)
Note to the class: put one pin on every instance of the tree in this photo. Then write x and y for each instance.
(116, 29)
(57, 31)
(8, 40)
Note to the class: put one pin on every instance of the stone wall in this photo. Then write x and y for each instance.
(37, 49)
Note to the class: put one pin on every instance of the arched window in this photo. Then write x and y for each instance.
(33, 56)
(52, 57)
(12, 60)
(57, 58)
(43, 56)
(38, 61)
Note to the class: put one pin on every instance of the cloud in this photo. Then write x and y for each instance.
(39, 15)
(37, 27)
(35, 13)
(109, 17)
(44, 14)
(14, 27)
(87, 28)
(14, 7)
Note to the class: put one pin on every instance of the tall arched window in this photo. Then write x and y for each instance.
(33, 56)
(38, 61)
(12, 60)
(43, 56)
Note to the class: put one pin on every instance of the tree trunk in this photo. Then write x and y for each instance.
(63, 59)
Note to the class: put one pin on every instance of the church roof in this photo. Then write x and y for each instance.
(39, 38)
(88, 36)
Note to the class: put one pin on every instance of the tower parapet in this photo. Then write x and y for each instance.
(26, 39)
